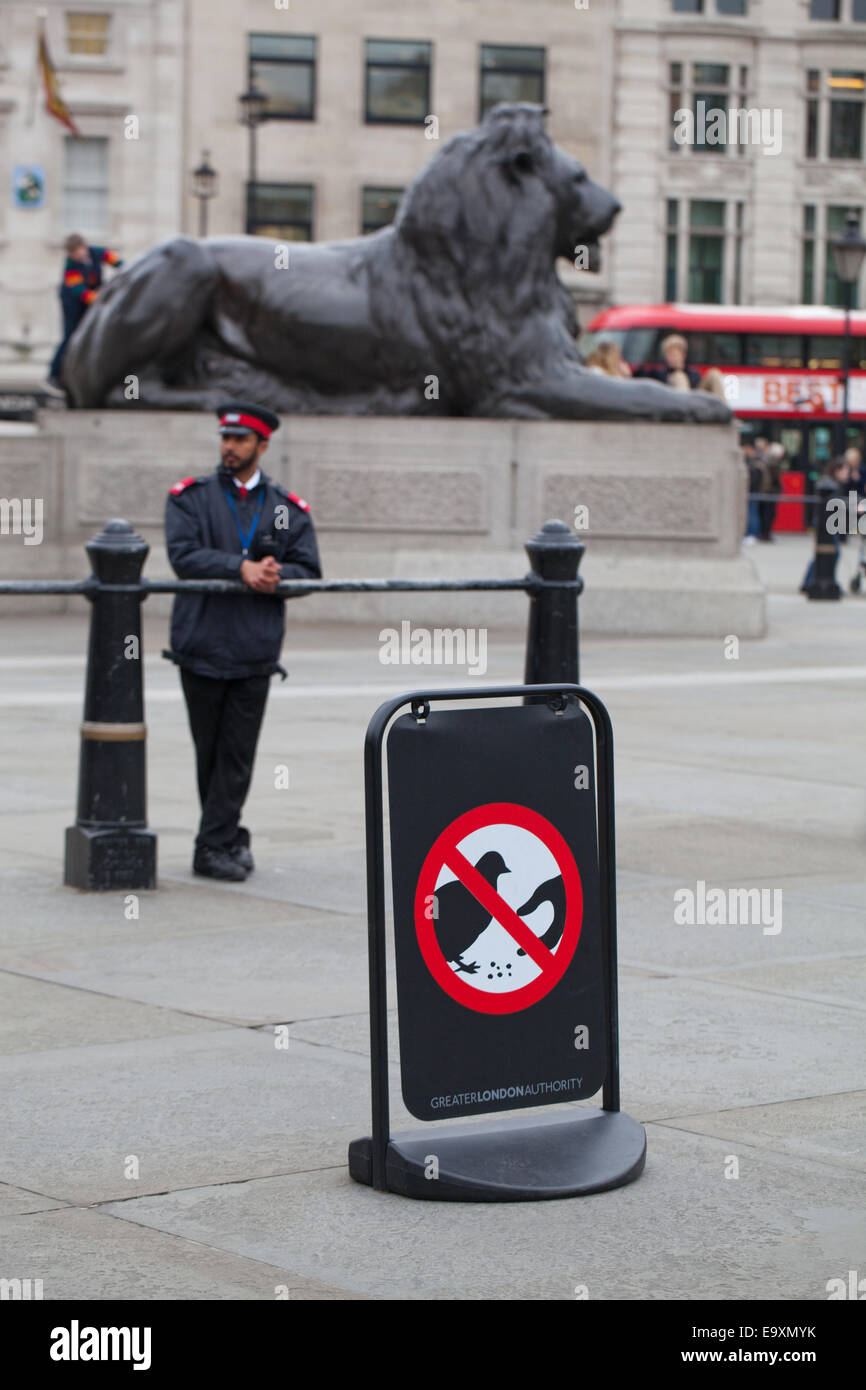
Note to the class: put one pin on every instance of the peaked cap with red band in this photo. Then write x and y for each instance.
(242, 417)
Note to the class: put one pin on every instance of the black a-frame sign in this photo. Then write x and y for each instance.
(504, 891)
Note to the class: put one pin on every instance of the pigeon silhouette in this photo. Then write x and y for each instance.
(553, 891)
(460, 919)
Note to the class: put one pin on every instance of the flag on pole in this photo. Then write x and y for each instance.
(54, 103)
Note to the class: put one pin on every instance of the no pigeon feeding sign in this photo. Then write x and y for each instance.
(490, 950)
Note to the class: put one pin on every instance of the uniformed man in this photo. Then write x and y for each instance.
(80, 287)
(234, 523)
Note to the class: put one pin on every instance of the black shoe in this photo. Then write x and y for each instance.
(240, 850)
(217, 863)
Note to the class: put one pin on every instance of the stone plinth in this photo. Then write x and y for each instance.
(660, 506)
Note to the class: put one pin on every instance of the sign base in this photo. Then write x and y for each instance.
(527, 1158)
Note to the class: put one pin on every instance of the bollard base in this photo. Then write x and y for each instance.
(524, 1159)
(99, 860)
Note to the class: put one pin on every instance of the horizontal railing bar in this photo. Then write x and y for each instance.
(290, 588)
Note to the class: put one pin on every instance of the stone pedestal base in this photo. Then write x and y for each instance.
(99, 860)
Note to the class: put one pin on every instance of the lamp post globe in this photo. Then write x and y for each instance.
(205, 182)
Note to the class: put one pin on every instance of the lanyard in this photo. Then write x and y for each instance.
(245, 536)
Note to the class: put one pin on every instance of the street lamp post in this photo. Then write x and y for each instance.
(205, 182)
(848, 252)
(252, 112)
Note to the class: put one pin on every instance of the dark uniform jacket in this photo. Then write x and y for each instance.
(230, 636)
(80, 283)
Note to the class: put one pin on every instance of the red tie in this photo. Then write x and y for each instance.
(243, 492)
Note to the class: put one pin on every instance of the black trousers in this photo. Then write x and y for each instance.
(225, 718)
(766, 517)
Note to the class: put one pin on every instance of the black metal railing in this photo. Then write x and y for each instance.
(110, 846)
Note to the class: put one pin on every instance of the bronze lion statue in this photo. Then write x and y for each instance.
(454, 310)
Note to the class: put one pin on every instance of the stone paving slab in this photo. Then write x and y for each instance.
(36, 1016)
(17, 1201)
(648, 936)
(193, 1110)
(829, 1129)
(715, 849)
(682, 1231)
(287, 969)
(839, 982)
(88, 1254)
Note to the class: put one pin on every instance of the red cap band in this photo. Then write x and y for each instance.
(247, 422)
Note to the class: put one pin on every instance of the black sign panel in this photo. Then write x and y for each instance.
(501, 993)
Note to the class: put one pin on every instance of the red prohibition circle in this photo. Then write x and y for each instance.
(498, 813)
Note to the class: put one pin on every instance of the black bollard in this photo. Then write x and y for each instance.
(823, 584)
(110, 845)
(552, 637)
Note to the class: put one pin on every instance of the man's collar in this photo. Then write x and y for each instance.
(251, 482)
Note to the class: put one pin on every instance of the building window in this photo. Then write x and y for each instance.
(509, 73)
(835, 103)
(834, 290)
(808, 289)
(813, 87)
(398, 81)
(671, 257)
(859, 12)
(702, 97)
(85, 185)
(824, 9)
(379, 207)
(820, 226)
(283, 211)
(87, 35)
(706, 252)
(283, 67)
(846, 114)
(738, 254)
(703, 251)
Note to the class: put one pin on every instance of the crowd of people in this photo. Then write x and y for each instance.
(766, 461)
(676, 373)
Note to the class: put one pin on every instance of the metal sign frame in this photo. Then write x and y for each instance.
(622, 1159)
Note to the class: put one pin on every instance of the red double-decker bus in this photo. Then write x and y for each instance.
(782, 368)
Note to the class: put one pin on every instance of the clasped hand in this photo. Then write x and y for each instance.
(261, 575)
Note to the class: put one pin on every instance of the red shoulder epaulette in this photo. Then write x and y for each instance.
(298, 501)
(179, 487)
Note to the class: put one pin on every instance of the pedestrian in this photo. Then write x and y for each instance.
(774, 460)
(839, 472)
(856, 468)
(753, 522)
(234, 523)
(607, 360)
(674, 350)
(82, 281)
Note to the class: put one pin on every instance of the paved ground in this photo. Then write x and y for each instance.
(158, 1145)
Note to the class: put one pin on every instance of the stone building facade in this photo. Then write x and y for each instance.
(719, 219)
(360, 96)
(357, 91)
(120, 66)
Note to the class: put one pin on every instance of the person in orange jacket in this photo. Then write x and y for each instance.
(82, 281)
